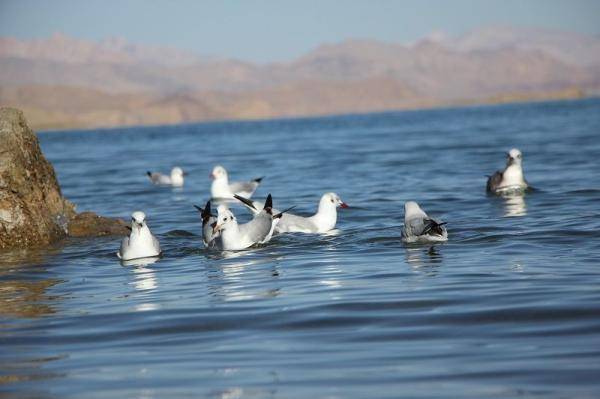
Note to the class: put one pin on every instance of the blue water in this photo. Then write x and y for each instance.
(509, 307)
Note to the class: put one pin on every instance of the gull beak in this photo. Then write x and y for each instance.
(343, 205)
(185, 173)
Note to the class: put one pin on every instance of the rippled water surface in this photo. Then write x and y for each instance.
(509, 307)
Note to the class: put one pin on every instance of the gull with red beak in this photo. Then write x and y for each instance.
(140, 243)
(234, 236)
(175, 179)
(511, 179)
(221, 188)
(323, 221)
(418, 227)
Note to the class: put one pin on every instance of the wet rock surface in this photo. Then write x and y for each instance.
(88, 224)
(33, 211)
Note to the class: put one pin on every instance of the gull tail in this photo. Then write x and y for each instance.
(206, 212)
(434, 227)
(258, 180)
(149, 173)
(269, 204)
(280, 214)
(245, 201)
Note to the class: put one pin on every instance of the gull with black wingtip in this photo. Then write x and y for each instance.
(175, 179)
(418, 227)
(321, 222)
(221, 188)
(234, 236)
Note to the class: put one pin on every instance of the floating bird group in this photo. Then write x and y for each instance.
(223, 232)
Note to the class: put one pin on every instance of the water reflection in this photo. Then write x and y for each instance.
(144, 279)
(514, 205)
(424, 259)
(21, 298)
(236, 281)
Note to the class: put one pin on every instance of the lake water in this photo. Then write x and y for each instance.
(509, 307)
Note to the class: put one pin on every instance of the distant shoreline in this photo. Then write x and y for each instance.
(514, 98)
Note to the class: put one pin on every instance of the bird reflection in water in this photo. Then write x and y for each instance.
(144, 279)
(514, 205)
(233, 281)
(424, 259)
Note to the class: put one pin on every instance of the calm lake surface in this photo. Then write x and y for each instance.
(509, 307)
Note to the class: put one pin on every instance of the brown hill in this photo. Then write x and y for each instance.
(63, 82)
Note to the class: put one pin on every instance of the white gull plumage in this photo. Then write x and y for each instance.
(221, 188)
(233, 236)
(323, 221)
(175, 179)
(511, 179)
(140, 243)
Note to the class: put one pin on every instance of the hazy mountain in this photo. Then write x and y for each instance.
(70, 82)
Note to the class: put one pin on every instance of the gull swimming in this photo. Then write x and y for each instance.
(140, 243)
(208, 236)
(418, 227)
(234, 236)
(221, 188)
(511, 179)
(321, 222)
(175, 179)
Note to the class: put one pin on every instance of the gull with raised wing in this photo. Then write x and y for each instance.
(221, 188)
(236, 236)
(511, 179)
(323, 221)
(208, 236)
(418, 227)
(175, 179)
(140, 243)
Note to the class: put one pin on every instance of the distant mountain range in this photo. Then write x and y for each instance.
(62, 82)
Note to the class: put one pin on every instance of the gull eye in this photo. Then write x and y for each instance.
(332, 200)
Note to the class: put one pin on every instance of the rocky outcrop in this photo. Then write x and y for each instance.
(33, 211)
(87, 224)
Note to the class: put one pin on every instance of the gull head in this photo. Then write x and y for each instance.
(218, 172)
(514, 157)
(225, 218)
(138, 219)
(412, 209)
(177, 172)
(332, 200)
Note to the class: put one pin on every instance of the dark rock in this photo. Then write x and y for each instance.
(87, 224)
(33, 211)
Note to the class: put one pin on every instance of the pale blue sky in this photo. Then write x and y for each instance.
(280, 30)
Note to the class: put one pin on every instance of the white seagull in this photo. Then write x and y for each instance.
(221, 188)
(140, 243)
(511, 178)
(234, 236)
(418, 227)
(175, 179)
(321, 222)
(208, 236)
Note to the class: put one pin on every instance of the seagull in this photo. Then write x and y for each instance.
(236, 236)
(321, 222)
(175, 179)
(511, 178)
(140, 243)
(221, 188)
(208, 237)
(418, 227)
